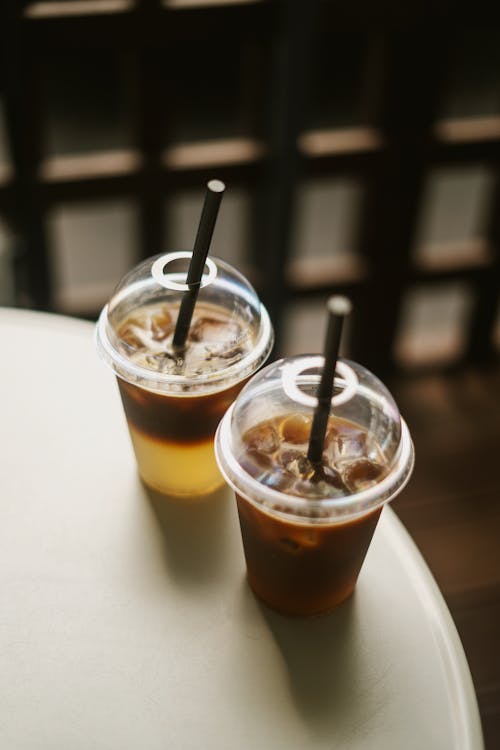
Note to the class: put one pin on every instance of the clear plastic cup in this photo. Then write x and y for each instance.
(305, 528)
(173, 403)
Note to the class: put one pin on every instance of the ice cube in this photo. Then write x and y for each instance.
(278, 479)
(165, 361)
(262, 467)
(345, 443)
(214, 331)
(225, 352)
(291, 545)
(256, 463)
(297, 463)
(328, 477)
(161, 325)
(330, 437)
(300, 541)
(362, 474)
(321, 484)
(262, 438)
(296, 429)
(130, 335)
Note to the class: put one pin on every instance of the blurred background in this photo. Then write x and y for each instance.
(360, 150)
(360, 146)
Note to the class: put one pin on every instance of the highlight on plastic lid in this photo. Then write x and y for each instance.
(262, 442)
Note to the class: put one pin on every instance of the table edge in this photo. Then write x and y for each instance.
(462, 695)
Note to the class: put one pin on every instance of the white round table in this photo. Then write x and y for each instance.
(126, 621)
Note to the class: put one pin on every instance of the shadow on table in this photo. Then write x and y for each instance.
(195, 534)
(324, 666)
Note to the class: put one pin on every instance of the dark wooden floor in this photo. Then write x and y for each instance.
(452, 509)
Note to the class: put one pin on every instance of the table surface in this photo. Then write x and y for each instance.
(126, 620)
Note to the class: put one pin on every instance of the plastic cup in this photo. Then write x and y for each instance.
(173, 403)
(306, 530)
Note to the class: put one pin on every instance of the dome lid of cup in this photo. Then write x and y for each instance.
(230, 332)
(262, 442)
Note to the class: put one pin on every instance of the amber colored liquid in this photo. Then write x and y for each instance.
(302, 566)
(303, 569)
(173, 437)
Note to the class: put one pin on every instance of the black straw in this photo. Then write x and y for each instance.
(213, 197)
(338, 309)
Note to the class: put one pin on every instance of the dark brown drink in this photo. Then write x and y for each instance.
(306, 568)
(299, 570)
(306, 525)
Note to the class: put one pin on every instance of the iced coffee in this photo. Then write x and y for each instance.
(173, 400)
(306, 527)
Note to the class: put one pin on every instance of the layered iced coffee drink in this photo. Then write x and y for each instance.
(173, 400)
(173, 436)
(306, 526)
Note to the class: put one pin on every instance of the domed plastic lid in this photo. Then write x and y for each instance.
(230, 334)
(262, 442)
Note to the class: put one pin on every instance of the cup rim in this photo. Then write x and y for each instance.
(167, 383)
(301, 510)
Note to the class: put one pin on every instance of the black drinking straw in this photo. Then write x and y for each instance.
(338, 309)
(213, 197)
